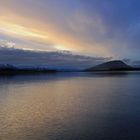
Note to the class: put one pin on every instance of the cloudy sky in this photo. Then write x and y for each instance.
(96, 28)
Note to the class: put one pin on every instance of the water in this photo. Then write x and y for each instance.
(70, 106)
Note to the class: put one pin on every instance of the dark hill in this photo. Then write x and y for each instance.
(110, 66)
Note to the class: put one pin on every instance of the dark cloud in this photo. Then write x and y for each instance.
(56, 59)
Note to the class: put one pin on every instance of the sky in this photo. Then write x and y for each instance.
(107, 29)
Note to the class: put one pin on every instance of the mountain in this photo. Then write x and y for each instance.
(110, 66)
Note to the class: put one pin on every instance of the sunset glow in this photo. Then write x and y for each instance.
(88, 30)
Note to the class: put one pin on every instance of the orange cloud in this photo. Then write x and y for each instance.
(26, 27)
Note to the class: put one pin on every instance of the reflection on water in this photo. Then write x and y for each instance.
(70, 106)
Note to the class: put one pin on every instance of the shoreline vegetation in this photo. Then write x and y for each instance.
(11, 70)
(110, 66)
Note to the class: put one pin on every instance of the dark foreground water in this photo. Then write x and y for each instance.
(70, 106)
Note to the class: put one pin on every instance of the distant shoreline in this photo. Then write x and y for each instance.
(30, 72)
(24, 72)
(111, 66)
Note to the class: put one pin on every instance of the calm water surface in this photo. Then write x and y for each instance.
(70, 106)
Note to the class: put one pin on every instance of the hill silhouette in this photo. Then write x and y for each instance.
(110, 66)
